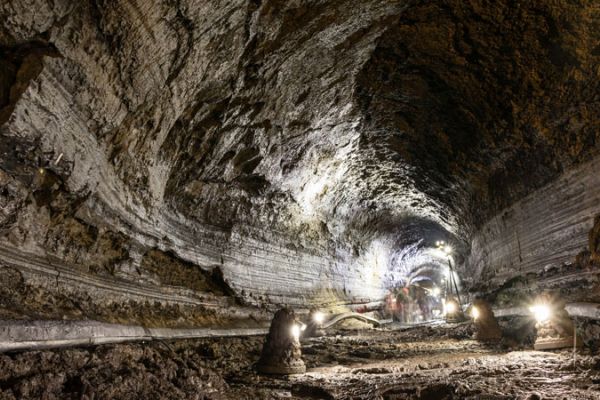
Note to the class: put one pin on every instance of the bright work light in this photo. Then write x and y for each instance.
(295, 331)
(541, 312)
(450, 307)
(318, 317)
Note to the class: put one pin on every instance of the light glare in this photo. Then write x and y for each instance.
(475, 312)
(318, 317)
(450, 307)
(295, 331)
(541, 312)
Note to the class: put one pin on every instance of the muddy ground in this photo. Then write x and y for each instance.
(440, 362)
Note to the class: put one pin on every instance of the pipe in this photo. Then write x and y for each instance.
(350, 315)
(511, 312)
(35, 335)
(585, 310)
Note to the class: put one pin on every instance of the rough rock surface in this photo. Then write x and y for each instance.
(312, 151)
(349, 365)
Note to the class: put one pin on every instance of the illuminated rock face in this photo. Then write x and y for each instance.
(294, 152)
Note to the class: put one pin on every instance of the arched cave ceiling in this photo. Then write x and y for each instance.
(302, 146)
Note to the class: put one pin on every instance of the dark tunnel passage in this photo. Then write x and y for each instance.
(299, 199)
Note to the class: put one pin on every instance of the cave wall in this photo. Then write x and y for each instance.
(299, 152)
(542, 240)
(194, 130)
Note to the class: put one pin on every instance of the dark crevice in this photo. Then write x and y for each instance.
(19, 65)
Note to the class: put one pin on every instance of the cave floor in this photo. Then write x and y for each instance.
(420, 363)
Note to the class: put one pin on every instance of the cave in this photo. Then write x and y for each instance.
(302, 199)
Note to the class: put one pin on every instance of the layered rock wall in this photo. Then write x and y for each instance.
(299, 152)
(209, 132)
(540, 234)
